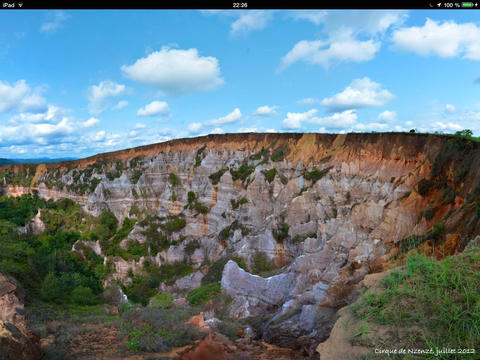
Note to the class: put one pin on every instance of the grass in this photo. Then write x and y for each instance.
(204, 293)
(441, 297)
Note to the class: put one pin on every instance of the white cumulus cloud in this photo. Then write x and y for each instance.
(388, 115)
(251, 20)
(100, 96)
(338, 121)
(194, 128)
(343, 47)
(21, 97)
(154, 108)
(444, 39)
(360, 93)
(232, 117)
(294, 120)
(176, 72)
(265, 111)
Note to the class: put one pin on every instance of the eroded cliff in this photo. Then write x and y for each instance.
(306, 216)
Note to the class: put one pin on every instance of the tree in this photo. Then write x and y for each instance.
(52, 288)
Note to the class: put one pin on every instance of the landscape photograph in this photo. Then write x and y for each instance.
(239, 184)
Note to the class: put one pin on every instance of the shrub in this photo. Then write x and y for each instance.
(191, 246)
(424, 186)
(281, 233)
(174, 180)
(199, 156)
(214, 273)
(52, 288)
(316, 174)
(278, 155)
(161, 301)
(263, 153)
(216, 176)
(261, 263)
(175, 224)
(236, 203)
(270, 174)
(84, 296)
(136, 176)
(242, 172)
(204, 293)
(191, 197)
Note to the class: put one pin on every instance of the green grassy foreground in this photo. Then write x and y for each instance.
(438, 299)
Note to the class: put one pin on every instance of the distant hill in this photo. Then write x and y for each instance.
(4, 161)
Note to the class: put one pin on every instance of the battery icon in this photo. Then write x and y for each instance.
(467, 4)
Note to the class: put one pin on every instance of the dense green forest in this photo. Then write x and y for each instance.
(44, 264)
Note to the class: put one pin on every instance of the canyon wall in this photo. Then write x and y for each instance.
(322, 210)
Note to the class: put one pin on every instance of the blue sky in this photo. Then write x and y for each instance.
(76, 83)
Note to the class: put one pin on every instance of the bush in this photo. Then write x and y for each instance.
(242, 172)
(216, 176)
(424, 186)
(191, 197)
(281, 233)
(278, 155)
(191, 247)
(161, 301)
(136, 176)
(52, 288)
(175, 224)
(316, 174)
(204, 293)
(270, 174)
(261, 263)
(174, 180)
(84, 296)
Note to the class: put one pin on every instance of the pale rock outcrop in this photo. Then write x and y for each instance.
(252, 294)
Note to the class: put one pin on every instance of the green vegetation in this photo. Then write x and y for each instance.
(22, 177)
(316, 174)
(424, 186)
(191, 246)
(215, 177)
(242, 172)
(161, 301)
(302, 238)
(261, 264)
(142, 288)
(204, 293)
(174, 180)
(270, 174)
(191, 197)
(136, 176)
(281, 233)
(262, 154)
(200, 156)
(302, 190)
(175, 224)
(278, 154)
(193, 203)
(44, 264)
(439, 298)
(226, 231)
(236, 203)
(429, 213)
(413, 241)
(158, 330)
(448, 195)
